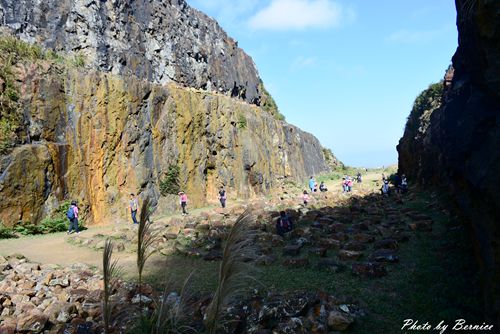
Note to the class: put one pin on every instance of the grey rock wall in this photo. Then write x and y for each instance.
(160, 41)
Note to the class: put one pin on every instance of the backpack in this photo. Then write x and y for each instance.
(71, 213)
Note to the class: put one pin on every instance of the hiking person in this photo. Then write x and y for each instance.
(183, 200)
(322, 187)
(344, 184)
(397, 183)
(72, 215)
(133, 206)
(385, 190)
(404, 184)
(349, 184)
(283, 224)
(358, 178)
(305, 197)
(311, 183)
(222, 197)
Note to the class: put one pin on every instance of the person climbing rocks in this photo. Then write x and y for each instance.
(72, 215)
(133, 206)
(385, 190)
(312, 181)
(322, 187)
(222, 197)
(283, 224)
(183, 200)
(305, 197)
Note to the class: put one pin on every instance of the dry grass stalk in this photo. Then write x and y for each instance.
(110, 277)
(234, 270)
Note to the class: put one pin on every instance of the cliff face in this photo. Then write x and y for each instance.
(98, 137)
(460, 146)
(160, 41)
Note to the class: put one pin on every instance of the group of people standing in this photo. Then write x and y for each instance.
(400, 185)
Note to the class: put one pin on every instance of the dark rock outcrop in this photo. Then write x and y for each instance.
(459, 148)
(160, 41)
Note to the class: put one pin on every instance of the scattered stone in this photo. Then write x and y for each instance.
(347, 255)
(329, 244)
(386, 244)
(384, 255)
(331, 265)
(296, 262)
(319, 251)
(369, 269)
(213, 255)
(292, 250)
(354, 246)
(339, 321)
(425, 226)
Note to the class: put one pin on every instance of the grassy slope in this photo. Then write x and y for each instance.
(431, 283)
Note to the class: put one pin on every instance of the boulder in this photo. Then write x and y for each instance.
(339, 321)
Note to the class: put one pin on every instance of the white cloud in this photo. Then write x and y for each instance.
(302, 62)
(299, 14)
(417, 36)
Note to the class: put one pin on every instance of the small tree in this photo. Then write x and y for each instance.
(170, 184)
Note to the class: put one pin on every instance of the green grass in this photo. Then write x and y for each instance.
(433, 281)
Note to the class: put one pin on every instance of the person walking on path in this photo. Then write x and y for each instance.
(72, 215)
(305, 197)
(133, 206)
(349, 184)
(312, 182)
(222, 197)
(183, 200)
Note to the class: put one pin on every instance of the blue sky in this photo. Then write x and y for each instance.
(346, 71)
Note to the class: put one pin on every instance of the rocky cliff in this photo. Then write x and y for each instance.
(459, 147)
(159, 41)
(97, 137)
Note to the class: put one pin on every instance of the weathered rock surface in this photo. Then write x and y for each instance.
(460, 140)
(98, 137)
(160, 41)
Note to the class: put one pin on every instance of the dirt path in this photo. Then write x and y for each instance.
(55, 249)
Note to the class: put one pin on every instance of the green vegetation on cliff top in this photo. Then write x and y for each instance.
(13, 51)
(425, 103)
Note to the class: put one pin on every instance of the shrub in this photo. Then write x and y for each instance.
(170, 184)
(78, 60)
(51, 225)
(242, 121)
(6, 233)
(268, 104)
(27, 228)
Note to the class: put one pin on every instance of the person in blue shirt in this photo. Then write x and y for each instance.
(312, 182)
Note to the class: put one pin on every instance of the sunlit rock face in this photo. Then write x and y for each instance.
(98, 137)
